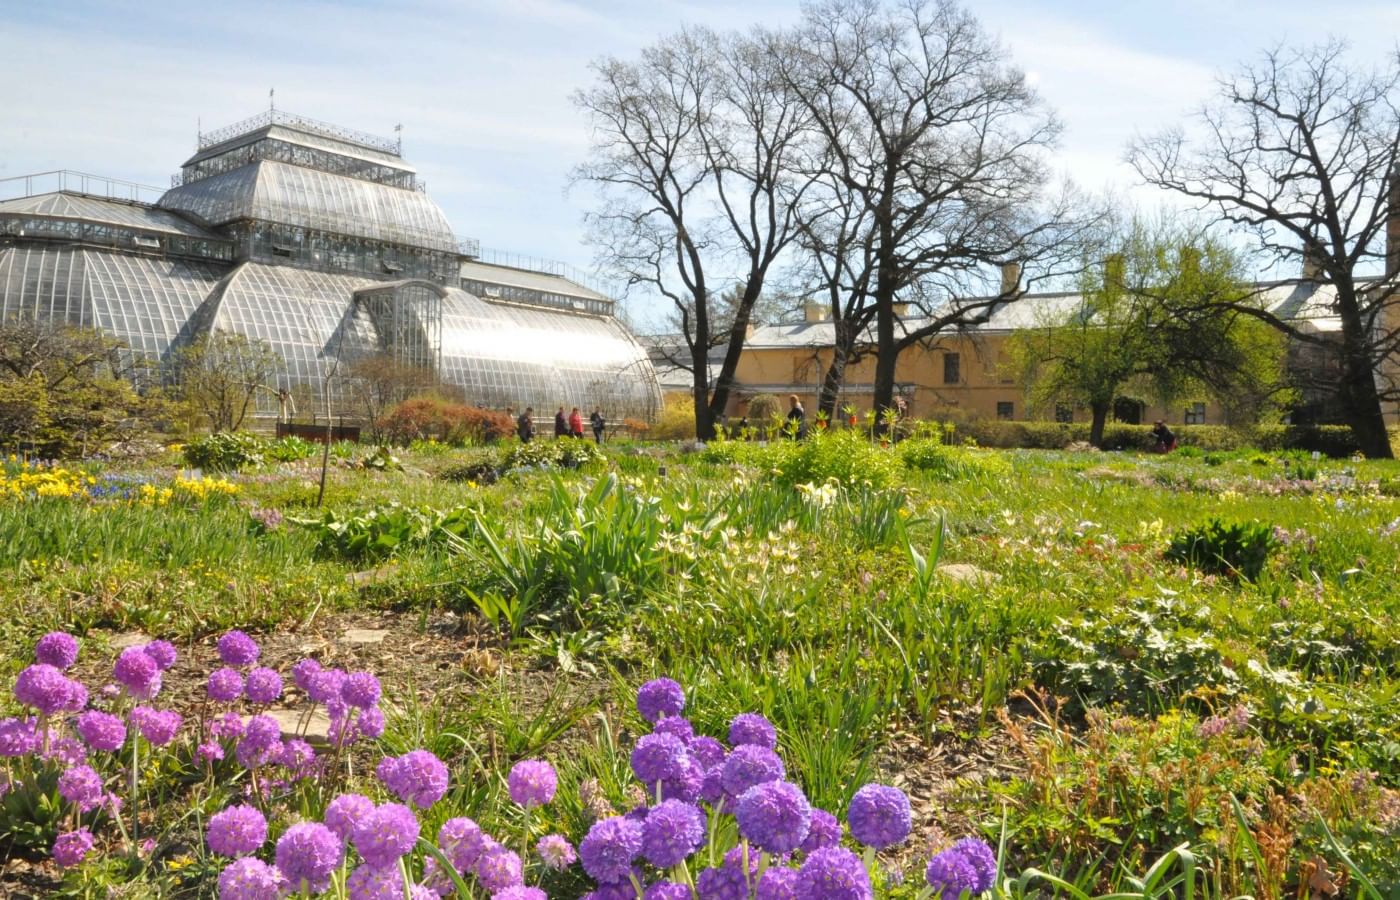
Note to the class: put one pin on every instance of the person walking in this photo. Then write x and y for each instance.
(796, 419)
(525, 425)
(576, 423)
(561, 424)
(599, 423)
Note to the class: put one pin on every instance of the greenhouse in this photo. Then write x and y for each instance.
(323, 243)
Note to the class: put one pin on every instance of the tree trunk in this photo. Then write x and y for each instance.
(887, 352)
(1099, 409)
(724, 381)
(700, 393)
(1358, 389)
(843, 342)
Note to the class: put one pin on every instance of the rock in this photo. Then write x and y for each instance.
(295, 723)
(365, 636)
(965, 573)
(1082, 447)
(129, 639)
(370, 577)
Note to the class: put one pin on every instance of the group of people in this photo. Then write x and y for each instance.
(564, 426)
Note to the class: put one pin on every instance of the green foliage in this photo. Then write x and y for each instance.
(846, 457)
(1329, 440)
(1238, 549)
(1143, 658)
(291, 449)
(385, 530)
(944, 463)
(676, 422)
(226, 451)
(221, 373)
(568, 453)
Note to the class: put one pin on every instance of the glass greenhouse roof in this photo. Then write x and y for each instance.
(81, 207)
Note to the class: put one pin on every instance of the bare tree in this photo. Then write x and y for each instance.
(691, 154)
(221, 373)
(1303, 151)
(940, 141)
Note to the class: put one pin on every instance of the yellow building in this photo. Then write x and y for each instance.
(967, 374)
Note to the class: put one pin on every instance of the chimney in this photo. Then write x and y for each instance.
(1314, 260)
(1392, 226)
(813, 312)
(1010, 278)
(1115, 269)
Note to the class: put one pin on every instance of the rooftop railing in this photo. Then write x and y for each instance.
(78, 182)
(278, 117)
(545, 267)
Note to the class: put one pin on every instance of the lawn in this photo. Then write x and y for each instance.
(1086, 660)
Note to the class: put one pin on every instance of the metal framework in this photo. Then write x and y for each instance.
(303, 123)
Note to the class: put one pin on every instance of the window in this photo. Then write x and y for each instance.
(1064, 413)
(951, 367)
(1196, 414)
(1006, 409)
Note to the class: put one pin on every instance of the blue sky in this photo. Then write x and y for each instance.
(482, 87)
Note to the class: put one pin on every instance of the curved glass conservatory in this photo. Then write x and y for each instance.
(321, 242)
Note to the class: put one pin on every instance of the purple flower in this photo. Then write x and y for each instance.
(675, 725)
(324, 685)
(58, 649)
(237, 831)
(225, 685)
(951, 873)
(370, 883)
(712, 785)
(659, 698)
(672, 831)
(82, 787)
(722, 883)
(360, 690)
(666, 890)
(345, 811)
(303, 671)
(158, 726)
(136, 671)
(417, 777)
(261, 742)
(228, 726)
(520, 892)
(983, 861)
(43, 687)
(685, 786)
(879, 816)
(250, 879)
(608, 849)
(163, 652)
(19, 737)
(777, 883)
(237, 649)
(101, 731)
(532, 782)
(622, 890)
(774, 816)
(370, 723)
(209, 751)
(706, 750)
(263, 686)
(556, 852)
(307, 853)
(833, 873)
(823, 831)
(498, 869)
(658, 757)
(462, 841)
(65, 750)
(385, 834)
(296, 755)
(748, 765)
(751, 728)
(72, 847)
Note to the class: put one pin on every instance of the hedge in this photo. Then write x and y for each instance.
(1330, 440)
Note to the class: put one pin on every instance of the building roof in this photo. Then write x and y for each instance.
(88, 208)
(1306, 304)
(300, 130)
(535, 281)
(338, 204)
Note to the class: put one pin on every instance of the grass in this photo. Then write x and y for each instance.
(1086, 661)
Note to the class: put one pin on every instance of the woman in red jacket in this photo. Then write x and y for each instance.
(576, 423)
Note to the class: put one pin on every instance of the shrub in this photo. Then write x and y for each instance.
(568, 453)
(677, 422)
(382, 531)
(930, 456)
(846, 457)
(226, 451)
(1237, 549)
(1331, 440)
(290, 449)
(423, 418)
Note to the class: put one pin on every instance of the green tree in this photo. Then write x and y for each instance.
(66, 391)
(1159, 318)
(220, 374)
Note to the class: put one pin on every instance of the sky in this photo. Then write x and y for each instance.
(482, 87)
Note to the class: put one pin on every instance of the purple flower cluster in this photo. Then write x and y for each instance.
(237, 831)
(417, 777)
(532, 782)
(58, 649)
(969, 865)
(385, 834)
(879, 816)
(660, 698)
